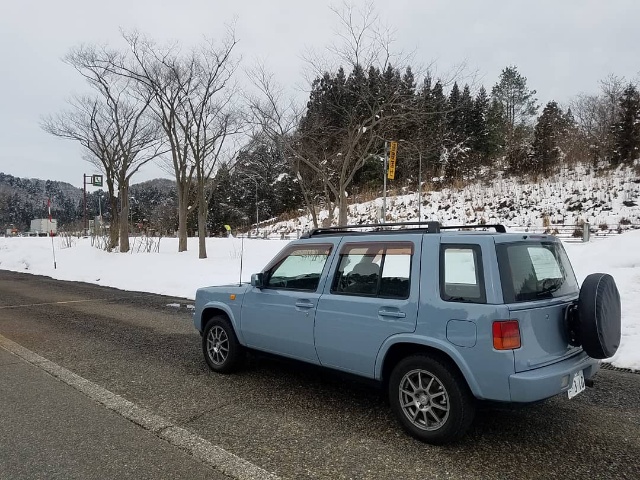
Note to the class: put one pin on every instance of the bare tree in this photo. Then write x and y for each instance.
(596, 114)
(88, 122)
(184, 91)
(121, 120)
(277, 118)
(364, 45)
(208, 142)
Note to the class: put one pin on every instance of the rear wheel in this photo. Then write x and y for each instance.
(431, 401)
(220, 346)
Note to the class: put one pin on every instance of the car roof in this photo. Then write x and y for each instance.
(422, 228)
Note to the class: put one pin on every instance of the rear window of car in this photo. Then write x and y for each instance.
(535, 271)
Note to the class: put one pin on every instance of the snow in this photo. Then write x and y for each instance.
(166, 272)
(620, 257)
(608, 200)
(180, 274)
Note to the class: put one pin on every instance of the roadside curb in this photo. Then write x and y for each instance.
(201, 449)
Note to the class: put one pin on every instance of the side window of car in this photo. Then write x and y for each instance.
(300, 269)
(374, 269)
(461, 275)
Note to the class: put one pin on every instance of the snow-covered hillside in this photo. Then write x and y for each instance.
(608, 200)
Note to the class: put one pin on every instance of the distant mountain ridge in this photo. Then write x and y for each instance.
(23, 199)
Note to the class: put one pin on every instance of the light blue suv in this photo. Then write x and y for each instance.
(439, 316)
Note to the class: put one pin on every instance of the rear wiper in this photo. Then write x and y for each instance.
(546, 291)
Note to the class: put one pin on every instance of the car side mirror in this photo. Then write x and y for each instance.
(256, 280)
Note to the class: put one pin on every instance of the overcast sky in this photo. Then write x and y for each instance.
(563, 47)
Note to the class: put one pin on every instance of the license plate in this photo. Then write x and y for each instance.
(578, 384)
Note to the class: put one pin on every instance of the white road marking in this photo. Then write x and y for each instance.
(214, 456)
(53, 303)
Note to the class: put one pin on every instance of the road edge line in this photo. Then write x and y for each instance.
(196, 446)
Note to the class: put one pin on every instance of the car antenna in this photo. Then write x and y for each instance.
(241, 255)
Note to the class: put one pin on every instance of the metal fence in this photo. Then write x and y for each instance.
(582, 232)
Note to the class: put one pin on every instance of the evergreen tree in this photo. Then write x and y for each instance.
(435, 129)
(466, 114)
(459, 135)
(496, 130)
(549, 131)
(478, 127)
(626, 130)
(517, 101)
(518, 107)
(455, 123)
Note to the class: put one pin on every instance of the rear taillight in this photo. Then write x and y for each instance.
(506, 335)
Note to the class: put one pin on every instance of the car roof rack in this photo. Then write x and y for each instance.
(424, 227)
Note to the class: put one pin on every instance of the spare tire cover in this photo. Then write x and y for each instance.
(599, 316)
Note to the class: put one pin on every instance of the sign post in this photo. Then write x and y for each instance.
(393, 150)
(94, 180)
(389, 172)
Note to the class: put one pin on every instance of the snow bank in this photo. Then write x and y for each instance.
(166, 272)
(620, 257)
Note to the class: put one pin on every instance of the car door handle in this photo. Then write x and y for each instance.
(304, 304)
(383, 312)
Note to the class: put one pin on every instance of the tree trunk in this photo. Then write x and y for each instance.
(183, 212)
(343, 209)
(202, 232)
(124, 217)
(307, 200)
(330, 206)
(114, 224)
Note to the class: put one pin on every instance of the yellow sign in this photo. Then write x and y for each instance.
(227, 228)
(393, 149)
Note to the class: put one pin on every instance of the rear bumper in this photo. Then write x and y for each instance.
(545, 382)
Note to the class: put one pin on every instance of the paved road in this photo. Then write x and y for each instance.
(300, 422)
(50, 430)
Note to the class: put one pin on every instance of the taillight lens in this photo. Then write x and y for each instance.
(506, 335)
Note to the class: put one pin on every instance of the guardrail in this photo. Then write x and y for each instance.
(579, 232)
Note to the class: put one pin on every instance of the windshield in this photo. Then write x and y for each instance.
(535, 271)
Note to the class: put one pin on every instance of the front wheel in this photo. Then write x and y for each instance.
(431, 401)
(220, 346)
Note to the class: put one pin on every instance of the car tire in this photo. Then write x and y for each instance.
(222, 351)
(431, 400)
(599, 315)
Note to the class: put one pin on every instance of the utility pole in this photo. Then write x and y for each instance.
(257, 211)
(419, 186)
(94, 180)
(100, 211)
(84, 196)
(384, 184)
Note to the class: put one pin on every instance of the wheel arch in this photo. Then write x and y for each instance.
(213, 309)
(396, 349)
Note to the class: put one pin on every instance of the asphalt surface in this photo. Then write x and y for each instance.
(300, 422)
(50, 430)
